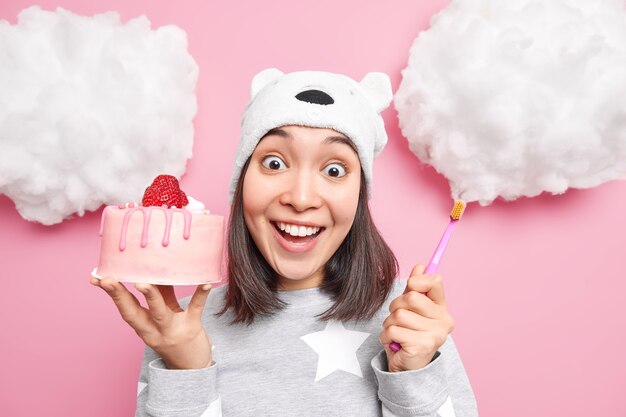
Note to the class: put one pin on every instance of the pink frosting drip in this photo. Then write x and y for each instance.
(187, 230)
(144, 232)
(168, 228)
(102, 219)
(147, 212)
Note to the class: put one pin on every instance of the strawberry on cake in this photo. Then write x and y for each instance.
(169, 239)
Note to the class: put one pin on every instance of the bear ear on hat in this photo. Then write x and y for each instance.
(263, 78)
(377, 88)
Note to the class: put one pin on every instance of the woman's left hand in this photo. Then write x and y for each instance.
(419, 322)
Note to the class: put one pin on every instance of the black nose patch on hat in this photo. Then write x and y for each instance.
(315, 97)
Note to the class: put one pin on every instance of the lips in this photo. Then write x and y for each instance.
(297, 229)
(295, 243)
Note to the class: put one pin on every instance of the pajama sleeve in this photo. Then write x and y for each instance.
(440, 389)
(165, 392)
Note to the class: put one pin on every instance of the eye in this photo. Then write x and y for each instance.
(336, 170)
(273, 162)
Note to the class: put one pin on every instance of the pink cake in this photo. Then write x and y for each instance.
(161, 245)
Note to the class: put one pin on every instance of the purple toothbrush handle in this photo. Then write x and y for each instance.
(432, 265)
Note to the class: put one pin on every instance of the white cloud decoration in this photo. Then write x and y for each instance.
(514, 98)
(91, 110)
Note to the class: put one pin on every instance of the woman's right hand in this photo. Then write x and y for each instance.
(177, 335)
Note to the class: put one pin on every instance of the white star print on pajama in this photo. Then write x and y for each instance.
(336, 348)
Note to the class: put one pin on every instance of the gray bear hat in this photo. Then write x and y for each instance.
(316, 99)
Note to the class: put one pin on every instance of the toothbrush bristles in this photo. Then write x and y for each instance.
(457, 210)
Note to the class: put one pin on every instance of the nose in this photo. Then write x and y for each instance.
(302, 192)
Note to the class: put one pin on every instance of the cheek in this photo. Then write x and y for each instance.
(259, 187)
(345, 204)
(253, 198)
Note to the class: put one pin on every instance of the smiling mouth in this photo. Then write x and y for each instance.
(297, 239)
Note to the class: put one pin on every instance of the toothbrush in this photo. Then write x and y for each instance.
(455, 215)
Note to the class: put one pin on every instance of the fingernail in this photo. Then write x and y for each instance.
(141, 287)
(206, 287)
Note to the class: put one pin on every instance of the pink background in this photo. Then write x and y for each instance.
(534, 285)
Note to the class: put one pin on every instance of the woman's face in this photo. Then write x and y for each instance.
(300, 195)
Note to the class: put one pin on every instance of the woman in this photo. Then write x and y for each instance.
(304, 325)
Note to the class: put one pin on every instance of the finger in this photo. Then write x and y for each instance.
(417, 270)
(127, 304)
(418, 303)
(97, 282)
(409, 320)
(197, 302)
(430, 285)
(397, 334)
(412, 341)
(159, 311)
(169, 296)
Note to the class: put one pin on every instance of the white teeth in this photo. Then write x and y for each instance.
(294, 230)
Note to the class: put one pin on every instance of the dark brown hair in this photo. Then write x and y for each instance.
(357, 277)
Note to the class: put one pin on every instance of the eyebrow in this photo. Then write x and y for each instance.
(330, 139)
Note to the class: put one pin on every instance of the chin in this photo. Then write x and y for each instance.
(295, 272)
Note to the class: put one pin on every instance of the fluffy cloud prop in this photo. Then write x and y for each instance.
(91, 110)
(513, 98)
